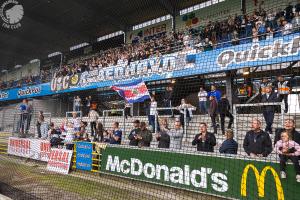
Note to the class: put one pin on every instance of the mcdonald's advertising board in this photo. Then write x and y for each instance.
(223, 176)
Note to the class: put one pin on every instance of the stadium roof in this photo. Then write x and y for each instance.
(55, 25)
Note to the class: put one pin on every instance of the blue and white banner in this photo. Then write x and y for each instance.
(180, 64)
(84, 156)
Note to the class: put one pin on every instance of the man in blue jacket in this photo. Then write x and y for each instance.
(229, 146)
(216, 93)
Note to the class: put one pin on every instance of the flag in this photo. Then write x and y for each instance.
(133, 92)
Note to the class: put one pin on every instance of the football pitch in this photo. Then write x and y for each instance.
(26, 179)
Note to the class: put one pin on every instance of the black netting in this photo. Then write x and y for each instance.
(200, 104)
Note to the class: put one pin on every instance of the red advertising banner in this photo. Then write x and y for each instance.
(29, 148)
(60, 160)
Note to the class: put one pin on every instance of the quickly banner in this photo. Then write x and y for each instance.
(84, 155)
(228, 177)
(180, 64)
(59, 160)
(29, 148)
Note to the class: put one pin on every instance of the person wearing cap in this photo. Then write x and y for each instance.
(133, 141)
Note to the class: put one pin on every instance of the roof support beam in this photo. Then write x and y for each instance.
(166, 4)
(172, 10)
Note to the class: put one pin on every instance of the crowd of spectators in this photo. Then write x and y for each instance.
(43, 77)
(238, 29)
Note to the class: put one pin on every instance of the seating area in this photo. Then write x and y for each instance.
(240, 29)
(243, 125)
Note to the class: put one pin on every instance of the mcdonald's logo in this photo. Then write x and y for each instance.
(260, 181)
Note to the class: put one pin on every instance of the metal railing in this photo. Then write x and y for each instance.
(235, 106)
(172, 109)
(71, 112)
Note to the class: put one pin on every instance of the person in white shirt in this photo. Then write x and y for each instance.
(75, 121)
(202, 95)
(77, 103)
(93, 117)
(176, 136)
(70, 136)
(286, 27)
(152, 114)
(185, 109)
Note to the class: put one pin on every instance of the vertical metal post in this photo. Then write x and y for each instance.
(2, 123)
(103, 118)
(235, 122)
(124, 124)
(282, 106)
(155, 123)
(184, 121)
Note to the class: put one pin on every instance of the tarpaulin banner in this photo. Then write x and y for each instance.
(29, 148)
(59, 160)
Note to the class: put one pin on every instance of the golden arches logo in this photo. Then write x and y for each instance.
(260, 181)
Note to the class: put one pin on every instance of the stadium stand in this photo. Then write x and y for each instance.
(201, 102)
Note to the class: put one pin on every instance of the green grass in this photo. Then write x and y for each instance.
(67, 183)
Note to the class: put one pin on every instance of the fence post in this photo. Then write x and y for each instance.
(282, 108)
(124, 124)
(104, 118)
(235, 122)
(184, 121)
(155, 122)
